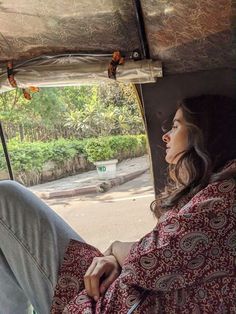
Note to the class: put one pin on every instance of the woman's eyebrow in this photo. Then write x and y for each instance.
(176, 120)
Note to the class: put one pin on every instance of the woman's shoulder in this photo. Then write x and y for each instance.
(223, 181)
(218, 195)
(221, 187)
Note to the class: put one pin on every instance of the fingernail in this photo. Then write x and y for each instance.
(95, 298)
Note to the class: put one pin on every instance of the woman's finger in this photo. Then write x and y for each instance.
(95, 281)
(106, 267)
(87, 281)
(109, 280)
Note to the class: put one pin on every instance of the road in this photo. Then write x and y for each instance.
(122, 213)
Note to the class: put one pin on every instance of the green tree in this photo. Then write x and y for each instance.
(83, 111)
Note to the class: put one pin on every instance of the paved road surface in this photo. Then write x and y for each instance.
(122, 213)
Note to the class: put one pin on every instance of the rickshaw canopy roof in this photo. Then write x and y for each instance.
(185, 36)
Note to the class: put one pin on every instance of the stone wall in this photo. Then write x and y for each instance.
(52, 171)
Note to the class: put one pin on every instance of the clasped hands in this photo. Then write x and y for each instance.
(101, 274)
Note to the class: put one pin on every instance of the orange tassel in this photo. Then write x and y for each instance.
(10, 74)
(117, 59)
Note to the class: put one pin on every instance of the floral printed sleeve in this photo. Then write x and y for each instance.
(193, 245)
(77, 259)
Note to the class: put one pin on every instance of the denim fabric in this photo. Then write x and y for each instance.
(33, 239)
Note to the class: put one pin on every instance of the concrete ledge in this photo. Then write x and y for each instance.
(68, 193)
(101, 187)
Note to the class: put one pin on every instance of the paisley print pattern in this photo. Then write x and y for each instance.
(215, 251)
(186, 264)
(180, 296)
(167, 253)
(148, 262)
(219, 221)
(226, 186)
(80, 299)
(131, 300)
(173, 226)
(201, 293)
(217, 274)
(234, 210)
(165, 283)
(189, 242)
(231, 241)
(196, 262)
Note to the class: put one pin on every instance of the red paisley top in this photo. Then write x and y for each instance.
(186, 264)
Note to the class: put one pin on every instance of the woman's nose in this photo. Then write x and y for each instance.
(166, 137)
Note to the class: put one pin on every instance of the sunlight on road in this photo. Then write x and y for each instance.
(123, 213)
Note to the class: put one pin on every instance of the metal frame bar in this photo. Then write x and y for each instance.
(141, 29)
(4, 145)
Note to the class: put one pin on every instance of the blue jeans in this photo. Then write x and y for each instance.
(33, 239)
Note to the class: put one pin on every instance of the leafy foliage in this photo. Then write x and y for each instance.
(71, 112)
(115, 147)
(100, 150)
(32, 156)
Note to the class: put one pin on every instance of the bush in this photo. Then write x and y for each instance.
(120, 147)
(27, 156)
(128, 146)
(32, 156)
(24, 156)
(100, 149)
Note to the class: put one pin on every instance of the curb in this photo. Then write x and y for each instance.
(99, 188)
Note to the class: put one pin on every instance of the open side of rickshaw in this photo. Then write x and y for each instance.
(168, 49)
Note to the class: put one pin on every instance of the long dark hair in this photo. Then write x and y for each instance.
(211, 124)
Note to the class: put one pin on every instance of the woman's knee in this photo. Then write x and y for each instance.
(14, 197)
(9, 188)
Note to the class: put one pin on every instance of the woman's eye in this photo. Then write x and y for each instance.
(174, 127)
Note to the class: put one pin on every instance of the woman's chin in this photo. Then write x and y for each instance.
(170, 160)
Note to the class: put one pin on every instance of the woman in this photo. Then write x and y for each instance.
(186, 264)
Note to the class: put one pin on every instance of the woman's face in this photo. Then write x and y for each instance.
(176, 139)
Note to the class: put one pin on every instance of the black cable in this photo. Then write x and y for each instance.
(6, 153)
(141, 29)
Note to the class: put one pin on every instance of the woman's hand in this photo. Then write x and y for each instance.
(120, 250)
(100, 275)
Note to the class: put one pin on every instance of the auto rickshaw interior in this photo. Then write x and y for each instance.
(170, 49)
